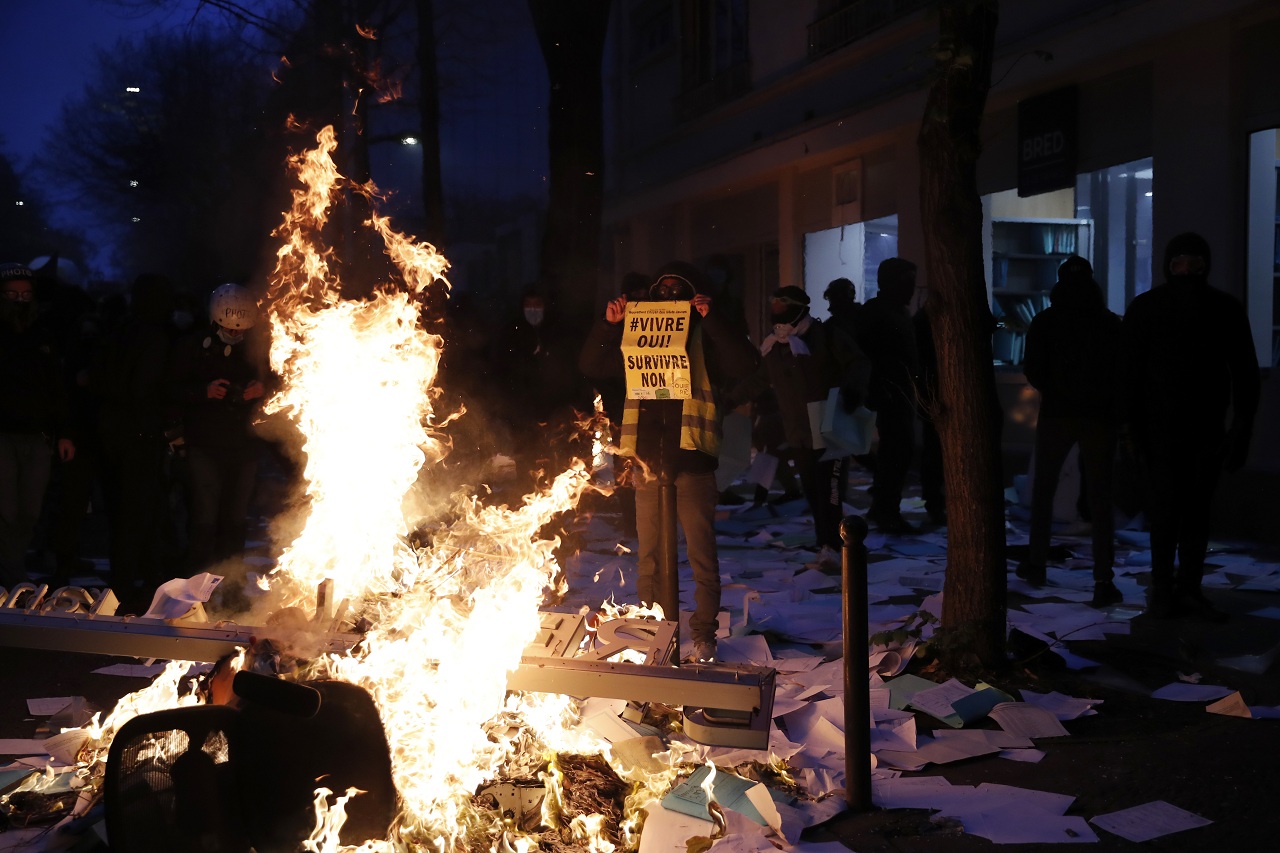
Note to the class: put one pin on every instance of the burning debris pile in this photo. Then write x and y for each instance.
(438, 628)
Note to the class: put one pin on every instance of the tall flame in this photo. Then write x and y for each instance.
(450, 619)
(356, 380)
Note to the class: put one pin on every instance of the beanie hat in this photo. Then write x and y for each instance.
(678, 281)
(1187, 243)
(789, 304)
(1075, 268)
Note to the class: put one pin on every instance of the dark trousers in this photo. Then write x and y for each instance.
(932, 487)
(1182, 475)
(222, 481)
(824, 485)
(1054, 439)
(25, 465)
(896, 426)
(139, 509)
(696, 496)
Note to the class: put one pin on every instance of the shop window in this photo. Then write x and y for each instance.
(848, 251)
(714, 64)
(1262, 289)
(652, 29)
(1106, 219)
(1118, 200)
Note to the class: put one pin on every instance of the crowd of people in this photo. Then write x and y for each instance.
(154, 409)
(147, 414)
(1174, 385)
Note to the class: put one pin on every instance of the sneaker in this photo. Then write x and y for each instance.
(1033, 575)
(827, 558)
(1105, 594)
(1192, 602)
(704, 651)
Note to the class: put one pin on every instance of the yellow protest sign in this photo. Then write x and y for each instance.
(654, 339)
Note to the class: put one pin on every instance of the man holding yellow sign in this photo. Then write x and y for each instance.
(674, 352)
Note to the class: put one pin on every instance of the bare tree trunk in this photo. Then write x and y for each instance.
(571, 34)
(429, 118)
(973, 615)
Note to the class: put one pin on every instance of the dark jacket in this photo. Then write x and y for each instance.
(1073, 354)
(33, 394)
(834, 361)
(729, 357)
(199, 360)
(887, 335)
(1189, 358)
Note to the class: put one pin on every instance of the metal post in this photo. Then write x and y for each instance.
(857, 688)
(667, 587)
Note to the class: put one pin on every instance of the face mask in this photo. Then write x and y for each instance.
(18, 315)
(534, 316)
(230, 336)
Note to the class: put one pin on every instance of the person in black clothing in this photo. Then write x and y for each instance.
(805, 358)
(842, 303)
(1189, 360)
(887, 335)
(33, 416)
(133, 414)
(678, 440)
(1073, 360)
(217, 378)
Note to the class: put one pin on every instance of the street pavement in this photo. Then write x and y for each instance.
(1136, 750)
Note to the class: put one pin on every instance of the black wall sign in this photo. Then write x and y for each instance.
(1047, 142)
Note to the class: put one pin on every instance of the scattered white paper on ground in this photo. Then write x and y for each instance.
(21, 746)
(1017, 824)
(1027, 720)
(65, 746)
(50, 705)
(179, 597)
(601, 716)
(1230, 706)
(1180, 691)
(666, 830)
(132, 670)
(1060, 705)
(1152, 820)
(936, 701)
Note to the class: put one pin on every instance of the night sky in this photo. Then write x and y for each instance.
(493, 124)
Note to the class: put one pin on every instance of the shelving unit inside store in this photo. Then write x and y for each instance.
(1025, 256)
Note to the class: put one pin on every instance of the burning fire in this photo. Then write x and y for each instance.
(357, 381)
(450, 619)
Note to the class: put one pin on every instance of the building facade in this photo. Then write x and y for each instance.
(777, 141)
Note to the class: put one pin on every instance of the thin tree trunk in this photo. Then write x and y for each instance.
(429, 119)
(571, 34)
(973, 615)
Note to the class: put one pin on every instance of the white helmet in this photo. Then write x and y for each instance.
(233, 307)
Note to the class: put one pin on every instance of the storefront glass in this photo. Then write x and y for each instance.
(849, 251)
(1105, 219)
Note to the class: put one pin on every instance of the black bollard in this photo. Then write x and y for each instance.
(857, 688)
(667, 588)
